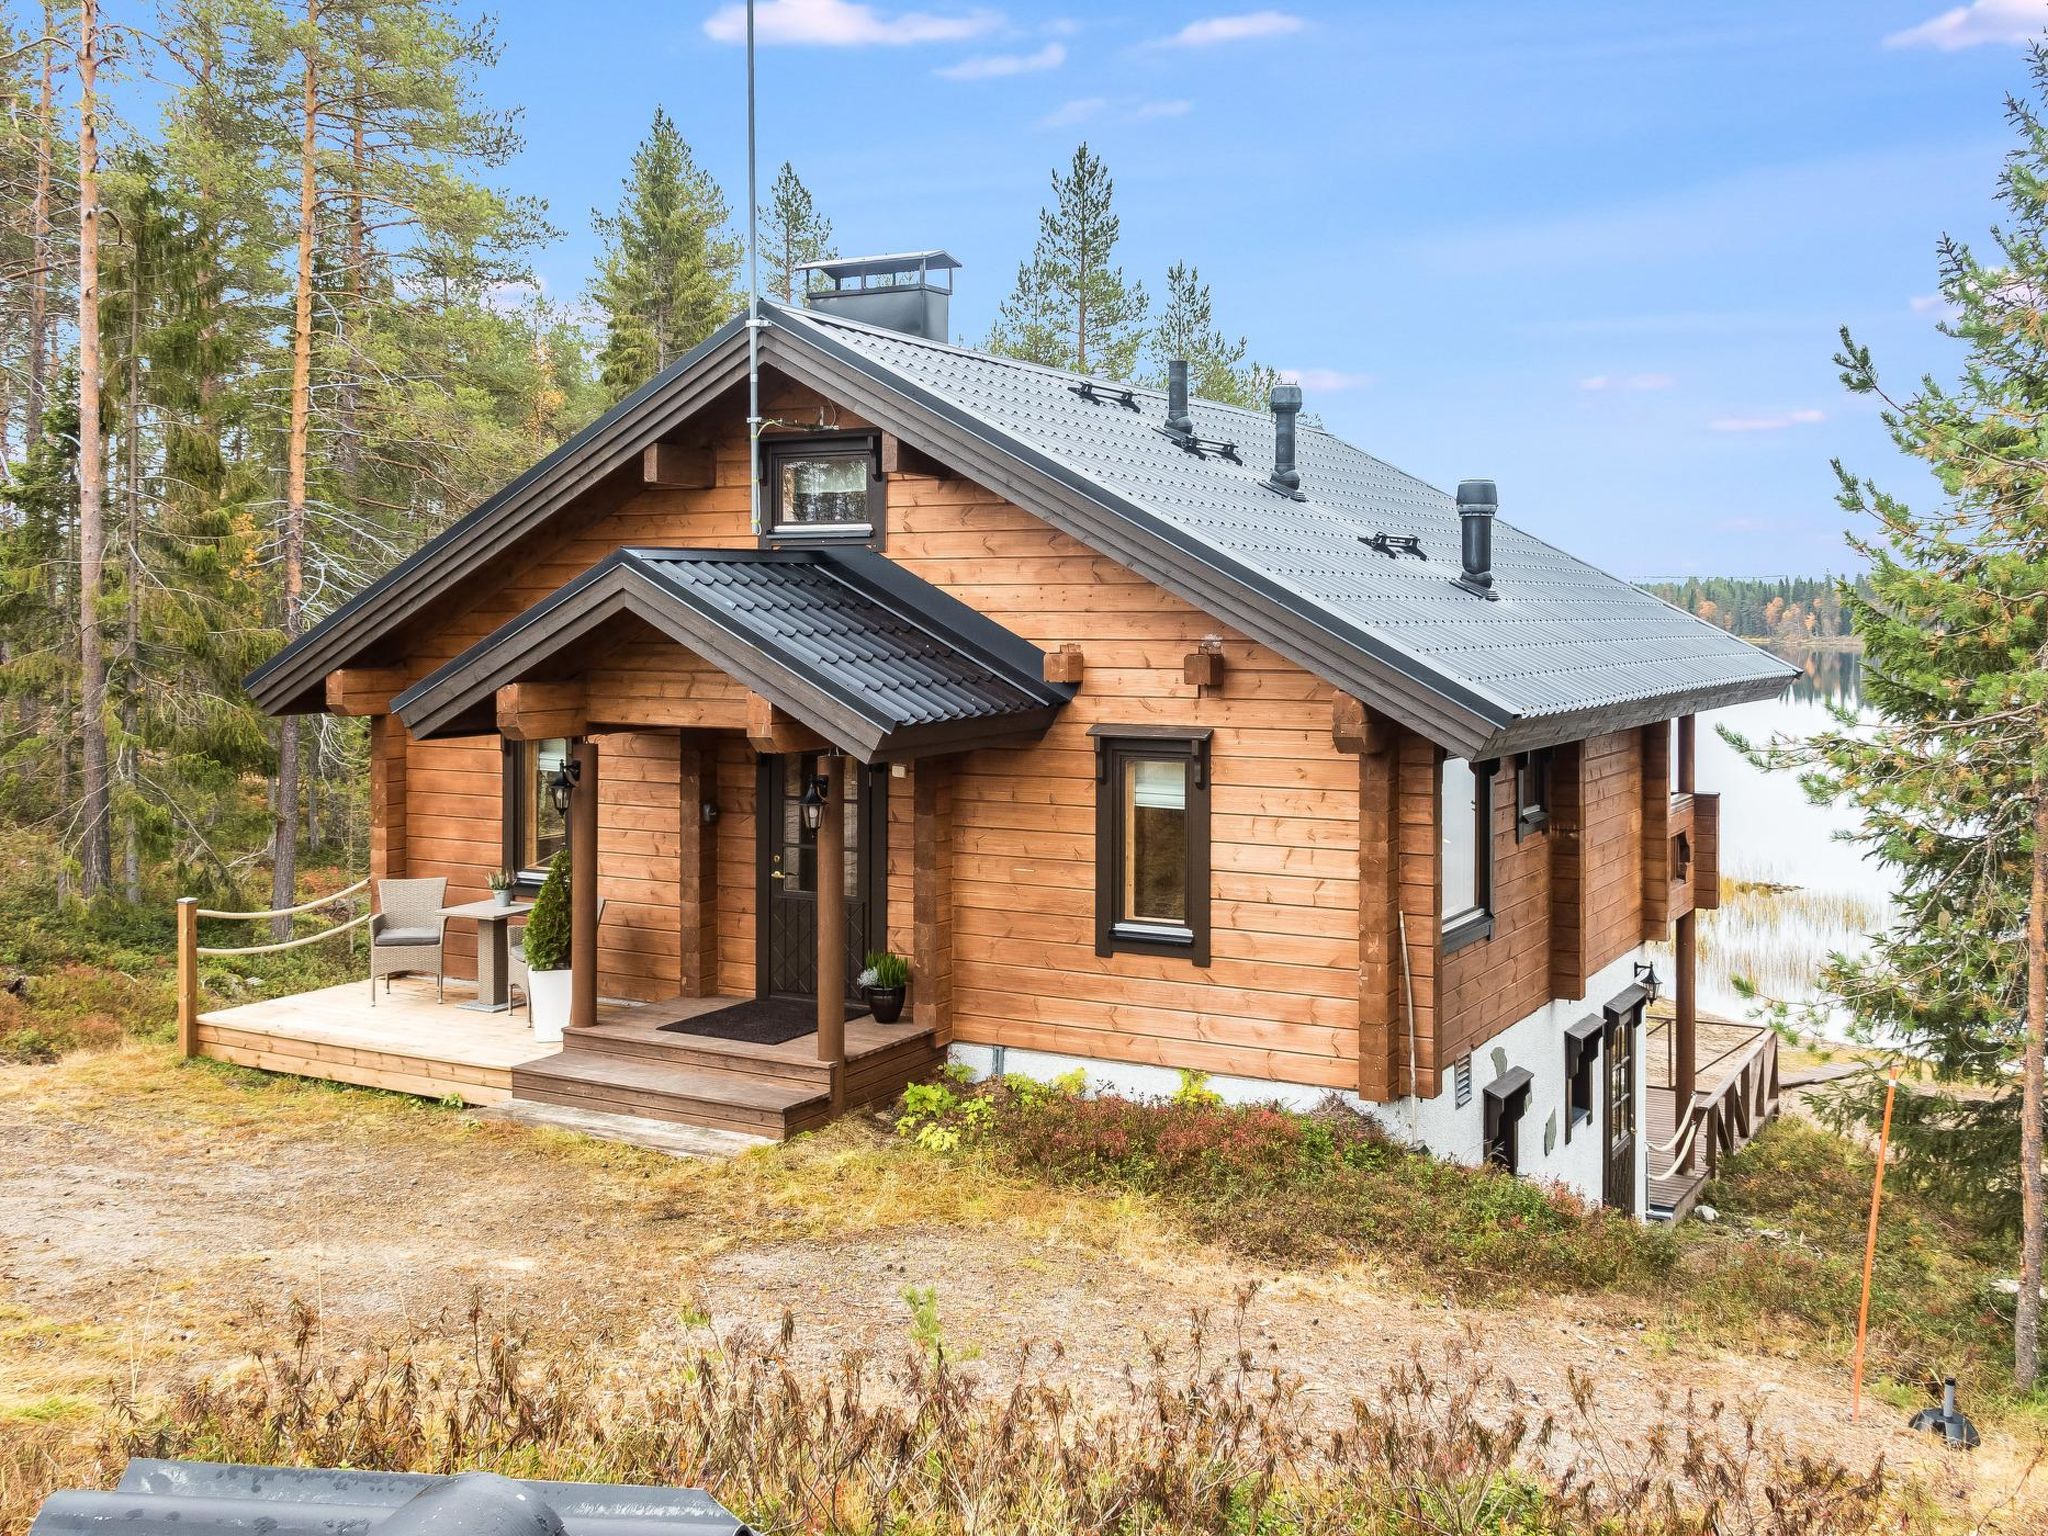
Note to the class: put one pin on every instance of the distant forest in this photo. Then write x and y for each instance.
(1782, 608)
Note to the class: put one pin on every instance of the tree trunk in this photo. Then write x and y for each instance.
(131, 640)
(284, 869)
(39, 279)
(95, 854)
(2027, 1311)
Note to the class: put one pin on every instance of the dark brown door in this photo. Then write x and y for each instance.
(1618, 1056)
(787, 949)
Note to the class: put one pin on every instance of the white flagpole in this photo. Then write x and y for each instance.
(753, 300)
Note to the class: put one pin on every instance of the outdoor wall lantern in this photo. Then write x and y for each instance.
(813, 801)
(1647, 975)
(563, 782)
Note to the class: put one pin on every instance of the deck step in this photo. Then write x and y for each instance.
(635, 1041)
(728, 1101)
(669, 1136)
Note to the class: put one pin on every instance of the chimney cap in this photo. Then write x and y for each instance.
(1478, 496)
(1285, 397)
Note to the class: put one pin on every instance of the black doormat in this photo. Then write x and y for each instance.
(759, 1021)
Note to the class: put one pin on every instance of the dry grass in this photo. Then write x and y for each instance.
(1201, 1438)
(1775, 939)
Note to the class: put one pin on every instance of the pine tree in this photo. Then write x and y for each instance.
(1952, 779)
(1217, 366)
(1071, 307)
(666, 280)
(793, 231)
(95, 848)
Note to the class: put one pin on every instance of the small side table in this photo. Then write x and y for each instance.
(493, 951)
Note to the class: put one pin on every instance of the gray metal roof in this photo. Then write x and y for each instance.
(1564, 638)
(196, 1498)
(877, 659)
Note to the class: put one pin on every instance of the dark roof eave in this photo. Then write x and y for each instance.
(1532, 732)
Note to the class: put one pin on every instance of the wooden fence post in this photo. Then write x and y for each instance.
(188, 976)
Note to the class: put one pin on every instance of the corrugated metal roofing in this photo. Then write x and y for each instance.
(197, 1498)
(1564, 637)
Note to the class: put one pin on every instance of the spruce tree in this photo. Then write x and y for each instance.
(666, 280)
(793, 231)
(1952, 778)
(1072, 308)
(1217, 365)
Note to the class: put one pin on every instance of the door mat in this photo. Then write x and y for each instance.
(759, 1021)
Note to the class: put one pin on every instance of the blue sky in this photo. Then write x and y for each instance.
(1596, 251)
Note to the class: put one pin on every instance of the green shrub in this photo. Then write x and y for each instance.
(887, 968)
(551, 923)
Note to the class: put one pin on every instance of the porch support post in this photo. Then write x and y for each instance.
(1685, 946)
(931, 936)
(583, 888)
(832, 924)
(697, 778)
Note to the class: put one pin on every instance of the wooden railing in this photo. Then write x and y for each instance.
(1722, 1120)
(190, 949)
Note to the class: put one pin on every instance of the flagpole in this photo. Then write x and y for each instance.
(753, 301)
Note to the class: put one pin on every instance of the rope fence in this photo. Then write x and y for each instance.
(190, 950)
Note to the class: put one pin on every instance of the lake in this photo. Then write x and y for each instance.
(1793, 891)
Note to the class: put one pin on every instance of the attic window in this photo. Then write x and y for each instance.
(823, 488)
(1393, 545)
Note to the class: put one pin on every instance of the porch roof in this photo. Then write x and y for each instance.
(876, 660)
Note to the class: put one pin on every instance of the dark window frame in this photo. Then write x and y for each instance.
(513, 794)
(1116, 745)
(1532, 792)
(1581, 1078)
(776, 450)
(1476, 924)
(1507, 1102)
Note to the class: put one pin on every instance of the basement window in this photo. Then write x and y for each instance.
(1465, 865)
(1581, 1058)
(1152, 841)
(1507, 1100)
(822, 488)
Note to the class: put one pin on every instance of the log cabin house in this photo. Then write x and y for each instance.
(1157, 735)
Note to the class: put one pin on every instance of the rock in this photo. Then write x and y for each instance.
(1706, 1213)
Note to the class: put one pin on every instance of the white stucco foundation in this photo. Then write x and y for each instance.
(1440, 1124)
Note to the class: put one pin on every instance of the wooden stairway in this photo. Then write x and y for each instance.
(629, 1065)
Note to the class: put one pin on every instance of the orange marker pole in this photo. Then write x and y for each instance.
(1884, 1136)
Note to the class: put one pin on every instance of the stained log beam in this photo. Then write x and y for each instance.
(364, 690)
(538, 711)
(899, 458)
(1354, 728)
(1064, 665)
(774, 730)
(678, 466)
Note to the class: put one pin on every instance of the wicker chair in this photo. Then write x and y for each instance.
(515, 960)
(406, 933)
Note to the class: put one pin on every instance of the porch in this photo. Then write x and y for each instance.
(1735, 1094)
(632, 1061)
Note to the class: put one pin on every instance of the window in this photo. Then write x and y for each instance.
(534, 830)
(1532, 792)
(1581, 1058)
(1507, 1100)
(1466, 865)
(823, 488)
(1152, 842)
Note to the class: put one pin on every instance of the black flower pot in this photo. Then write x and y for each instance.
(886, 1003)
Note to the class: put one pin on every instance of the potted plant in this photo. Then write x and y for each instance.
(501, 886)
(883, 983)
(547, 953)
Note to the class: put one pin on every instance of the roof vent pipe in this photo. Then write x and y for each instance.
(1286, 403)
(1477, 502)
(1178, 421)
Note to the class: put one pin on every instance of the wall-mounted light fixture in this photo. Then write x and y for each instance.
(1646, 973)
(564, 781)
(813, 801)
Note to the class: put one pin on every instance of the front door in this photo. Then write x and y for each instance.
(787, 948)
(1618, 1056)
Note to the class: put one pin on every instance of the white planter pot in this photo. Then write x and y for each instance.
(548, 993)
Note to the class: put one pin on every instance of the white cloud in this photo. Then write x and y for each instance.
(1233, 29)
(845, 24)
(992, 66)
(1632, 381)
(1981, 21)
(1068, 113)
(1326, 380)
(1146, 110)
(1776, 423)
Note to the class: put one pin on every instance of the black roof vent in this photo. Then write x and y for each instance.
(1180, 425)
(1286, 403)
(1477, 502)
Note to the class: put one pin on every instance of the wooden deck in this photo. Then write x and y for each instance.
(1735, 1095)
(627, 1065)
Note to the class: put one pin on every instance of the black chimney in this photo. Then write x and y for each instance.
(1286, 404)
(1178, 421)
(1477, 502)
